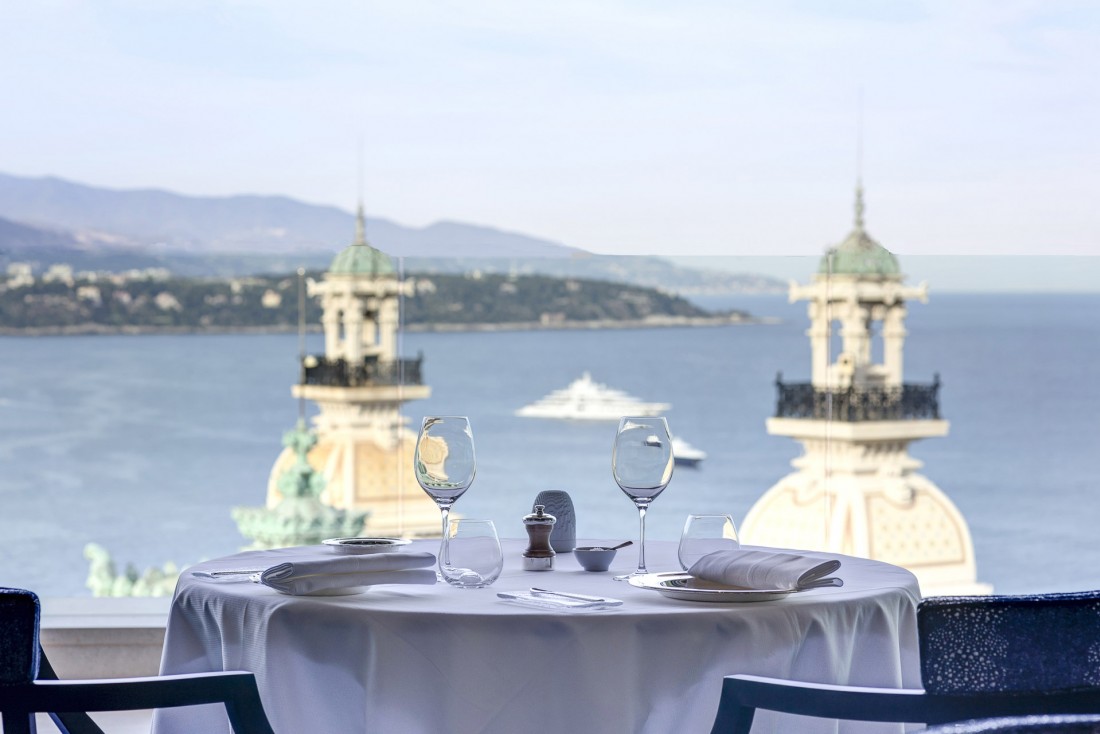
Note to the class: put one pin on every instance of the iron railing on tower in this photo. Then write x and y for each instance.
(853, 404)
(318, 370)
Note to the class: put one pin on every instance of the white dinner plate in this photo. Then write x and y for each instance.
(342, 591)
(679, 585)
(339, 591)
(361, 546)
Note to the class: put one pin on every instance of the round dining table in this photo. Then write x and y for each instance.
(435, 658)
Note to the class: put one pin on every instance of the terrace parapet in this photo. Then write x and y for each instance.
(909, 401)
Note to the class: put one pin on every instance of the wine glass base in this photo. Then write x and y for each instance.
(468, 579)
(628, 576)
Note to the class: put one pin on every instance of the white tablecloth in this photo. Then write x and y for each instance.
(411, 659)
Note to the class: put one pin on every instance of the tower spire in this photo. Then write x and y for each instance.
(859, 161)
(360, 226)
(360, 218)
(859, 205)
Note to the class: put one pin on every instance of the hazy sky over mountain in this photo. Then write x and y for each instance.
(632, 127)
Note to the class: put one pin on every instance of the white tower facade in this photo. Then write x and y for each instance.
(856, 489)
(364, 448)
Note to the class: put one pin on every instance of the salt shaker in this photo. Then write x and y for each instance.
(539, 556)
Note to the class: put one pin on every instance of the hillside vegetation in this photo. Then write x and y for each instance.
(135, 303)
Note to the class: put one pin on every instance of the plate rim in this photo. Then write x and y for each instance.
(651, 582)
(338, 544)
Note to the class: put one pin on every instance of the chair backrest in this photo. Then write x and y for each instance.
(19, 612)
(1087, 724)
(1010, 644)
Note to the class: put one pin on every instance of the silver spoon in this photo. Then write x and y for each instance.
(613, 547)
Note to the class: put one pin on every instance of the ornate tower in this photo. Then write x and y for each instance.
(855, 489)
(364, 449)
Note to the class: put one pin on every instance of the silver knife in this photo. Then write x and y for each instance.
(577, 597)
(219, 574)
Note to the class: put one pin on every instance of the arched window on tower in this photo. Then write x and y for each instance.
(875, 338)
(836, 339)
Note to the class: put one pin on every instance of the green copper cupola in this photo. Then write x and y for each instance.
(858, 254)
(359, 258)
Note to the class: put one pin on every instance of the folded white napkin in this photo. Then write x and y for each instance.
(758, 569)
(310, 576)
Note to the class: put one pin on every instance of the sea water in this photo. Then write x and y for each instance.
(143, 444)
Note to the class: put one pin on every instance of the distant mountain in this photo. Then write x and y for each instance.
(173, 223)
(51, 220)
(18, 238)
(84, 251)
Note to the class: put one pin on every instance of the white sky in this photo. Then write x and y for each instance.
(634, 127)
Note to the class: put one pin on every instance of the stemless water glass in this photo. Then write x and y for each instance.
(444, 461)
(472, 557)
(641, 462)
(705, 534)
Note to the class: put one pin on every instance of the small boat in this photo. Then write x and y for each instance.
(684, 454)
(586, 399)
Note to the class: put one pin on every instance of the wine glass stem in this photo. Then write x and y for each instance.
(445, 512)
(641, 539)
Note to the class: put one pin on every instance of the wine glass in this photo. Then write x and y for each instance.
(705, 534)
(641, 462)
(444, 461)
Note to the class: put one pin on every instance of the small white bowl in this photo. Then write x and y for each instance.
(594, 558)
(362, 546)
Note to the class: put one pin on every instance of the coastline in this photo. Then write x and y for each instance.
(651, 322)
(647, 323)
(102, 330)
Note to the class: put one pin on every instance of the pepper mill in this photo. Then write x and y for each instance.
(539, 556)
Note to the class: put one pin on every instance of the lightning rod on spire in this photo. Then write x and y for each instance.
(361, 220)
(859, 159)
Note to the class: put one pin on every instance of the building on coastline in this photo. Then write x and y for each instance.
(59, 273)
(855, 489)
(364, 448)
(20, 275)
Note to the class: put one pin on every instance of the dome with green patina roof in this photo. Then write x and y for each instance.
(359, 258)
(858, 254)
(362, 259)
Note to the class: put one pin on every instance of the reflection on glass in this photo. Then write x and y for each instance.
(444, 461)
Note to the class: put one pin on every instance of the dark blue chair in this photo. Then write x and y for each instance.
(980, 657)
(1023, 725)
(28, 684)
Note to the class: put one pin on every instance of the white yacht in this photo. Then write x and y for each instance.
(684, 454)
(586, 399)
